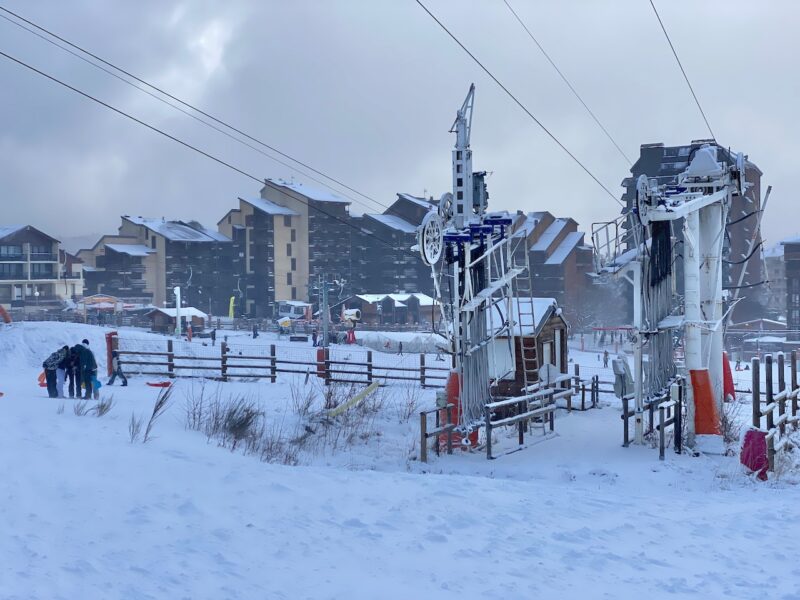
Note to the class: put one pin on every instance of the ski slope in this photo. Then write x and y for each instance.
(87, 514)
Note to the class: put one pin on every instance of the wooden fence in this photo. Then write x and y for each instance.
(774, 411)
(227, 365)
(668, 405)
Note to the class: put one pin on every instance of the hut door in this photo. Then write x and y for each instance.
(547, 353)
(558, 346)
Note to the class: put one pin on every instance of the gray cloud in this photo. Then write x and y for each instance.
(366, 91)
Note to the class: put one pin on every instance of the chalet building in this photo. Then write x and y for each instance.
(388, 261)
(395, 309)
(32, 273)
(665, 163)
(265, 255)
(149, 257)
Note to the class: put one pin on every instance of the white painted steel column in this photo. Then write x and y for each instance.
(711, 237)
(638, 384)
(692, 339)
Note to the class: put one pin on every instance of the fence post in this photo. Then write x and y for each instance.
(781, 388)
(770, 419)
(520, 425)
(273, 364)
(596, 397)
(423, 437)
(223, 360)
(755, 370)
(583, 395)
(771, 451)
(677, 428)
(624, 421)
(170, 360)
(488, 416)
(577, 368)
(793, 382)
(327, 355)
(661, 434)
(369, 366)
(449, 408)
(422, 370)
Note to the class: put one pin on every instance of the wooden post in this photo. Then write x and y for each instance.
(520, 425)
(422, 370)
(755, 371)
(449, 408)
(327, 354)
(273, 364)
(661, 433)
(781, 388)
(577, 368)
(423, 437)
(770, 419)
(170, 360)
(771, 452)
(624, 421)
(793, 383)
(583, 396)
(488, 417)
(677, 428)
(223, 360)
(369, 366)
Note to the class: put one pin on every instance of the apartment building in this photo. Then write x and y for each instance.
(32, 273)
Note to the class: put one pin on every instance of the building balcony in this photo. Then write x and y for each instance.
(13, 277)
(43, 257)
(13, 258)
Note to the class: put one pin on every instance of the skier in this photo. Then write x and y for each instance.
(738, 364)
(314, 338)
(213, 337)
(400, 348)
(255, 331)
(605, 359)
(116, 370)
(50, 365)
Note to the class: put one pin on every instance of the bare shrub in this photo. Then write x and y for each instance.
(60, 409)
(240, 420)
(729, 421)
(103, 407)
(134, 428)
(408, 402)
(81, 408)
(162, 402)
(274, 447)
(302, 398)
(196, 406)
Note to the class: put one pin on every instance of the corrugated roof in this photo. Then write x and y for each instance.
(269, 207)
(309, 192)
(131, 249)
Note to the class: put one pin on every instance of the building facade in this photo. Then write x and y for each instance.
(32, 273)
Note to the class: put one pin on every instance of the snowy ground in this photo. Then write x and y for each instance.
(87, 514)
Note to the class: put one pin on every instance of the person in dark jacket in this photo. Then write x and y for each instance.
(116, 370)
(50, 365)
(74, 372)
(88, 368)
(213, 337)
(255, 331)
(61, 371)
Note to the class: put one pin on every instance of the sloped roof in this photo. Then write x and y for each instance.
(6, 230)
(178, 231)
(423, 202)
(269, 207)
(549, 235)
(309, 192)
(567, 245)
(542, 309)
(186, 311)
(394, 222)
(130, 249)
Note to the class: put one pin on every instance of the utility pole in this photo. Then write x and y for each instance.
(324, 310)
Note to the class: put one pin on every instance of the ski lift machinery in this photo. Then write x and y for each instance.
(470, 255)
(701, 198)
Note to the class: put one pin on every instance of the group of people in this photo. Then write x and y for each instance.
(78, 367)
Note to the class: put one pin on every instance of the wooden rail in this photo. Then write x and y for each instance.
(446, 429)
(774, 411)
(668, 405)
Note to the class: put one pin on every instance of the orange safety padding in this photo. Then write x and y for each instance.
(453, 391)
(706, 419)
(4, 315)
(727, 379)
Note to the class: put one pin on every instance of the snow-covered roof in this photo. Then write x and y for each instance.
(269, 207)
(766, 339)
(294, 303)
(532, 219)
(424, 299)
(424, 202)
(521, 308)
(550, 234)
(6, 230)
(130, 249)
(564, 248)
(186, 311)
(178, 231)
(308, 191)
(395, 222)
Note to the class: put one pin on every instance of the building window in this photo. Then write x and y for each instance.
(288, 249)
(289, 278)
(459, 195)
(153, 243)
(294, 293)
(10, 251)
(294, 235)
(458, 154)
(229, 219)
(287, 221)
(294, 264)
(459, 182)
(459, 168)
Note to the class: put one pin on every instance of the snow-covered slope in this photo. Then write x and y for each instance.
(87, 514)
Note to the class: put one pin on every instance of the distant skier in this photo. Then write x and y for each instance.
(605, 359)
(213, 337)
(116, 370)
(314, 338)
(255, 331)
(400, 348)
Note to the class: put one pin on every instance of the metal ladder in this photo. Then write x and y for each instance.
(523, 299)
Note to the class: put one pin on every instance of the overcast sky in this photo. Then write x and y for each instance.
(366, 90)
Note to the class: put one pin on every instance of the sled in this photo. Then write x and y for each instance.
(42, 380)
(159, 384)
